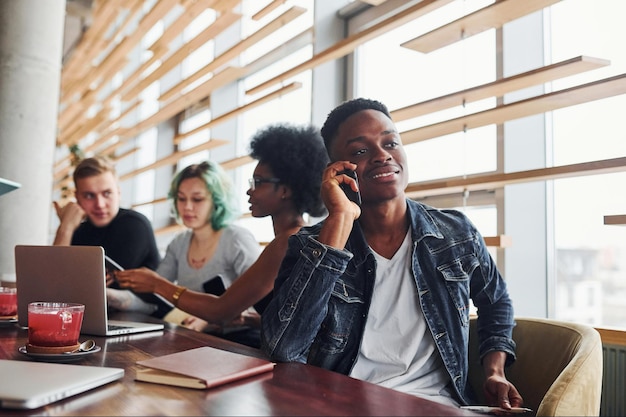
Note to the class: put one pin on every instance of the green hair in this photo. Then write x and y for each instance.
(218, 184)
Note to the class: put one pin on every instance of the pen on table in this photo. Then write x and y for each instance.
(488, 409)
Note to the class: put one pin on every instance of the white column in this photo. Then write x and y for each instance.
(31, 39)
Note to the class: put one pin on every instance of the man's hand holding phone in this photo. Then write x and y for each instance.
(354, 196)
(340, 190)
(342, 212)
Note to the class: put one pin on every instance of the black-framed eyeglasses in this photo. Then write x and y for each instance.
(254, 182)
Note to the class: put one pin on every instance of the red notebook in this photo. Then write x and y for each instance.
(200, 368)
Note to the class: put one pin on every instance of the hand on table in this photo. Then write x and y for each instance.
(197, 324)
(247, 319)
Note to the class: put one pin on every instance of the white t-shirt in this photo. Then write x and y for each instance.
(398, 350)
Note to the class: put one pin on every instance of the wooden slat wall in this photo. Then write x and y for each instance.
(492, 16)
(501, 87)
(103, 51)
(132, 89)
(233, 52)
(233, 113)
(267, 9)
(492, 181)
(179, 55)
(350, 43)
(616, 219)
(596, 90)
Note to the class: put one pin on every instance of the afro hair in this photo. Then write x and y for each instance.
(295, 154)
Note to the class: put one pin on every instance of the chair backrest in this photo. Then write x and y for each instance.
(558, 370)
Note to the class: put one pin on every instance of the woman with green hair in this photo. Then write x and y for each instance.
(203, 201)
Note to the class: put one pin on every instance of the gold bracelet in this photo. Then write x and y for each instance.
(179, 291)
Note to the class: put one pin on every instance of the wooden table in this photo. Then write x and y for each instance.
(291, 389)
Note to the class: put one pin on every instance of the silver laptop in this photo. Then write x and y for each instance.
(35, 384)
(6, 186)
(72, 274)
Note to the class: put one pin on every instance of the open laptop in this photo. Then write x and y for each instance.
(71, 274)
(6, 186)
(35, 384)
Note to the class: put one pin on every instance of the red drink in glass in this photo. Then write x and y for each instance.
(54, 324)
(8, 302)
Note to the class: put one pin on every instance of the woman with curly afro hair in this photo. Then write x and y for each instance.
(285, 185)
(292, 158)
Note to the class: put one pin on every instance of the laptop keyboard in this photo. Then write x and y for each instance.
(114, 327)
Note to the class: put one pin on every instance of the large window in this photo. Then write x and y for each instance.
(589, 271)
(590, 256)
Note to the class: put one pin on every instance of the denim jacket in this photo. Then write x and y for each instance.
(322, 296)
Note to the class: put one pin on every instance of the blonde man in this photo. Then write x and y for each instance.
(96, 219)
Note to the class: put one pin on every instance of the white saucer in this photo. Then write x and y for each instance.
(58, 357)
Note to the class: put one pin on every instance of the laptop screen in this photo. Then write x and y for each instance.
(71, 274)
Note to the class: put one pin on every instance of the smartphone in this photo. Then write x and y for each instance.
(111, 266)
(214, 286)
(354, 196)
